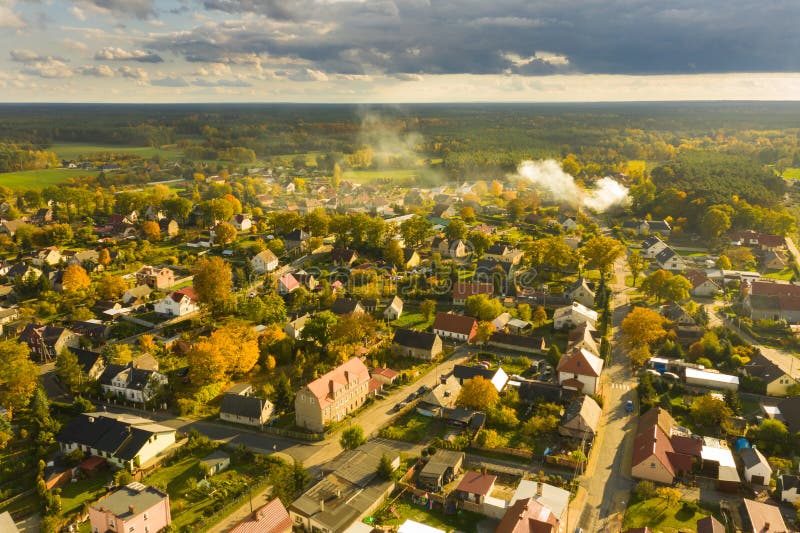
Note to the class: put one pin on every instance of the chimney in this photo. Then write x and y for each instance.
(330, 387)
(766, 526)
(347, 376)
(132, 509)
(322, 505)
(538, 488)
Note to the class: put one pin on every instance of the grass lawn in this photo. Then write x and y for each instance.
(404, 510)
(415, 428)
(74, 495)
(38, 179)
(792, 173)
(77, 150)
(786, 274)
(660, 517)
(414, 320)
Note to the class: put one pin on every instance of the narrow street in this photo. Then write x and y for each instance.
(606, 482)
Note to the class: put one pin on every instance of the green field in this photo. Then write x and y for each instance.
(792, 173)
(364, 176)
(40, 178)
(76, 150)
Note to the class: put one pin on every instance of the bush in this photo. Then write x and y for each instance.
(644, 490)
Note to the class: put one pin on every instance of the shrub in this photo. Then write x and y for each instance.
(644, 490)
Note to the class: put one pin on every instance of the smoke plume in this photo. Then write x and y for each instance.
(391, 141)
(548, 176)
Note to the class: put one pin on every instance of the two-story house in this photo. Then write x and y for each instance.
(155, 277)
(178, 303)
(135, 508)
(580, 370)
(264, 261)
(126, 382)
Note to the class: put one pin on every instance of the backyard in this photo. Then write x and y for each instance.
(662, 516)
(394, 514)
(413, 427)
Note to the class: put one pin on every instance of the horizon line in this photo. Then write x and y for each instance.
(397, 103)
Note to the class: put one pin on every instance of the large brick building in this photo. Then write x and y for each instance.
(332, 396)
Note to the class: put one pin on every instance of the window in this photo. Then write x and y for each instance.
(145, 516)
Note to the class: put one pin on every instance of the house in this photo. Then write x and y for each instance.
(444, 211)
(42, 216)
(46, 341)
(169, 227)
(241, 222)
(243, 409)
(762, 518)
(579, 370)
(464, 373)
(639, 227)
(350, 490)
(567, 224)
(155, 278)
(370, 305)
(652, 246)
(10, 227)
(583, 337)
(702, 285)
(178, 303)
(777, 380)
(668, 259)
(126, 382)
(23, 271)
(91, 329)
(764, 300)
(678, 315)
(774, 260)
(8, 315)
(654, 457)
(332, 396)
(789, 488)
(528, 516)
(133, 508)
(581, 291)
(91, 363)
(343, 257)
(296, 241)
(270, 518)
(394, 309)
(7, 524)
(474, 487)
(49, 256)
(125, 441)
(306, 279)
(386, 376)
(294, 328)
(789, 410)
(346, 306)
(442, 468)
(581, 418)
(573, 315)
(455, 249)
(442, 396)
(518, 343)
(264, 261)
(763, 241)
(287, 284)
(756, 468)
(710, 524)
(455, 327)
(416, 344)
(140, 293)
(410, 258)
(503, 253)
(463, 290)
(216, 462)
(86, 258)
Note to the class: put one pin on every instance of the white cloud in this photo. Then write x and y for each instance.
(134, 73)
(308, 74)
(73, 44)
(9, 18)
(111, 53)
(98, 71)
(77, 13)
(48, 68)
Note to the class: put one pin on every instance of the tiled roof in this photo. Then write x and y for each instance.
(454, 323)
(351, 371)
(476, 483)
(582, 362)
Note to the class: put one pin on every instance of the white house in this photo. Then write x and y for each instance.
(580, 370)
(241, 222)
(294, 329)
(789, 487)
(581, 292)
(264, 261)
(568, 223)
(573, 315)
(702, 285)
(756, 468)
(394, 309)
(178, 303)
(668, 259)
(652, 246)
(125, 382)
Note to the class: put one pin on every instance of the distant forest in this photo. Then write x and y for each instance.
(486, 139)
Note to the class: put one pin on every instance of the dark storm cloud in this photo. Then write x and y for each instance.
(503, 36)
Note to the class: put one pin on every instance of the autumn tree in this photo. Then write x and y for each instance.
(716, 221)
(75, 278)
(104, 257)
(710, 411)
(151, 231)
(723, 262)
(478, 394)
(539, 315)
(393, 253)
(602, 252)
(111, 287)
(427, 308)
(524, 312)
(670, 495)
(484, 332)
(456, 229)
(213, 281)
(636, 264)
(224, 233)
(237, 345)
(639, 355)
(18, 375)
(206, 363)
(468, 213)
(643, 326)
(483, 307)
(415, 230)
(319, 328)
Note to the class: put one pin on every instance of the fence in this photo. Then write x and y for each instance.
(527, 454)
(220, 514)
(299, 435)
(560, 460)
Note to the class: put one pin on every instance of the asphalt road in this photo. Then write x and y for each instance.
(607, 481)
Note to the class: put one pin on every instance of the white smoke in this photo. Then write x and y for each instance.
(548, 176)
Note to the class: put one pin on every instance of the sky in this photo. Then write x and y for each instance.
(398, 50)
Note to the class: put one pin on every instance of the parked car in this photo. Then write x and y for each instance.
(629, 406)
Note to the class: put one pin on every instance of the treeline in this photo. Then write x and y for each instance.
(14, 157)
